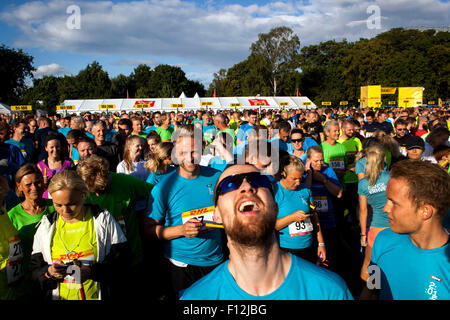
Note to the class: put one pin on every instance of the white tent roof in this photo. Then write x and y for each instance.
(183, 103)
(4, 109)
(182, 95)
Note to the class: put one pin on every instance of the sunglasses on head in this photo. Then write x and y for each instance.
(234, 182)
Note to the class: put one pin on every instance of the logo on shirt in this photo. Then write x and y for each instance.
(431, 291)
(435, 278)
(211, 191)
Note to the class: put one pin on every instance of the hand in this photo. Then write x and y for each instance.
(322, 253)
(301, 215)
(58, 274)
(308, 165)
(363, 241)
(192, 228)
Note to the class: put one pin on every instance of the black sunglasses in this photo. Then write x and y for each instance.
(297, 140)
(233, 182)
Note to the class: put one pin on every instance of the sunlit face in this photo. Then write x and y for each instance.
(32, 125)
(85, 149)
(333, 132)
(20, 130)
(99, 133)
(401, 210)
(206, 119)
(252, 119)
(157, 119)
(369, 119)
(152, 144)
(348, 129)
(32, 186)
(292, 180)
(53, 149)
(316, 159)
(401, 130)
(136, 149)
(137, 126)
(68, 203)
(188, 154)
(297, 141)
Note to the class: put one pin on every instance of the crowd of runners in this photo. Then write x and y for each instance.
(325, 204)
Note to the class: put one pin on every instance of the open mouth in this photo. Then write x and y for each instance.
(248, 207)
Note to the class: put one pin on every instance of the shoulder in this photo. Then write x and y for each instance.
(386, 241)
(203, 288)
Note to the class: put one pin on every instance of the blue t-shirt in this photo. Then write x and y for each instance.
(376, 197)
(218, 163)
(308, 143)
(361, 163)
(304, 281)
(281, 144)
(26, 146)
(409, 272)
(90, 135)
(322, 199)
(175, 195)
(297, 235)
(290, 150)
(244, 132)
(64, 131)
(154, 178)
(75, 155)
(209, 132)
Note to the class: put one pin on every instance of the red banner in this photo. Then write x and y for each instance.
(150, 103)
(258, 102)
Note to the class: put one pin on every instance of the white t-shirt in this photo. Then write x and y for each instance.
(138, 170)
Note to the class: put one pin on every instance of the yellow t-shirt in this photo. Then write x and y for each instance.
(75, 241)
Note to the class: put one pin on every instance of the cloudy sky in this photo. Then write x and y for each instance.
(199, 36)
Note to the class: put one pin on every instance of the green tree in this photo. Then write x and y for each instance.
(94, 82)
(15, 67)
(43, 94)
(280, 49)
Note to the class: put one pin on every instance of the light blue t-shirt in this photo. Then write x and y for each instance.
(297, 235)
(409, 272)
(75, 155)
(218, 163)
(361, 163)
(64, 131)
(174, 195)
(281, 144)
(154, 178)
(304, 281)
(244, 132)
(376, 197)
(209, 132)
(322, 198)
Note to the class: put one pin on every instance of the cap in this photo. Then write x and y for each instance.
(415, 142)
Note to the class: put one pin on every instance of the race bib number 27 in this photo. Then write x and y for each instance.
(204, 215)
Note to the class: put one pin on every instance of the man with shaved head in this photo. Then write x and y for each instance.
(258, 268)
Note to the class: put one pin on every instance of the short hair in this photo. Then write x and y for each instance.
(24, 170)
(370, 114)
(79, 120)
(297, 130)
(435, 133)
(87, 140)
(312, 149)
(18, 122)
(252, 113)
(94, 171)
(426, 182)
(75, 134)
(400, 121)
(68, 180)
(330, 123)
(441, 151)
(125, 121)
(153, 135)
(285, 126)
(288, 163)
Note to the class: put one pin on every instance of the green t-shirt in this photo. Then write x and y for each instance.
(165, 134)
(335, 156)
(11, 258)
(120, 200)
(26, 223)
(231, 133)
(352, 145)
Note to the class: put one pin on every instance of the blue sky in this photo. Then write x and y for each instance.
(199, 36)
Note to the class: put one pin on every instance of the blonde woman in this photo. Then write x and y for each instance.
(160, 162)
(372, 191)
(296, 224)
(133, 158)
(79, 250)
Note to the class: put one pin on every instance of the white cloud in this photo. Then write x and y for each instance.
(53, 69)
(215, 35)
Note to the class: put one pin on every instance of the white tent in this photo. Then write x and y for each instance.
(184, 104)
(4, 109)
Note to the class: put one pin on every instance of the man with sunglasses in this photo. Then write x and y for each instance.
(258, 268)
(401, 137)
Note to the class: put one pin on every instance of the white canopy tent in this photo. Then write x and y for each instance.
(4, 109)
(184, 104)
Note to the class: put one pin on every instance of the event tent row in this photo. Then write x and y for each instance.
(183, 103)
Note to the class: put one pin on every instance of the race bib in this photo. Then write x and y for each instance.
(300, 228)
(369, 134)
(337, 163)
(321, 203)
(204, 215)
(14, 269)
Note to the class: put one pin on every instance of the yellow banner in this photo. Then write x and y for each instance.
(392, 103)
(284, 104)
(21, 108)
(61, 108)
(177, 105)
(388, 90)
(409, 97)
(432, 102)
(106, 106)
(343, 103)
(206, 103)
(235, 104)
(370, 95)
(326, 103)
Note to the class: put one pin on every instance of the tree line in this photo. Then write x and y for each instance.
(277, 65)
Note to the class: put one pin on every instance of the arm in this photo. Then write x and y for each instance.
(296, 216)
(155, 229)
(332, 188)
(363, 219)
(321, 251)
